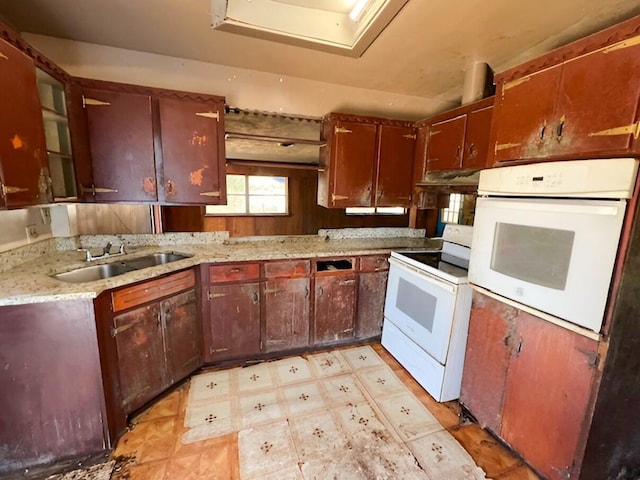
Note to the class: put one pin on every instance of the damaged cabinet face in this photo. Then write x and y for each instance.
(367, 162)
(192, 138)
(531, 383)
(582, 107)
(24, 175)
(151, 145)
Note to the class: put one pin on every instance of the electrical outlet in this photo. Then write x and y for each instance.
(32, 232)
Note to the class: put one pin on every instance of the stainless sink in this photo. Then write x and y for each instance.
(108, 270)
(95, 272)
(155, 259)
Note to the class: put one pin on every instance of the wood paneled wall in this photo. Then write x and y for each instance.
(305, 216)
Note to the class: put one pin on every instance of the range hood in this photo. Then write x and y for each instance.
(271, 138)
(450, 181)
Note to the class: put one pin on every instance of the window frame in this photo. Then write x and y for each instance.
(247, 196)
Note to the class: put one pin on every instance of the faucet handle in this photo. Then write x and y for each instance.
(121, 249)
(88, 257)
(107, 248)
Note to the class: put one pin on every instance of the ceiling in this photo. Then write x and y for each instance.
(423, 52)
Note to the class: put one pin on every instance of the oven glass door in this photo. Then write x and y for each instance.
(422, 307)
(556, 256)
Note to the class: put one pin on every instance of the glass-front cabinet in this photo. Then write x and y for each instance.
(58, 140)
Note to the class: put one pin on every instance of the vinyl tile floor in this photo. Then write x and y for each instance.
(152, 449)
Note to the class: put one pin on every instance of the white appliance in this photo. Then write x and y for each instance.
(426, 312)
(546, 235)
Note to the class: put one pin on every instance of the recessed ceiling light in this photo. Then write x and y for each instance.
(344, 27)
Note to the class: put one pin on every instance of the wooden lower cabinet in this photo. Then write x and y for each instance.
(51, 400)
(138, 336)
(372, 288)
(157, 333)
(234, 321)
(334, 308)
(286, 304)
(232, 311)
(530, 382)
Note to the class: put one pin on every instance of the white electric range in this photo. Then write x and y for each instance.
(426, 313)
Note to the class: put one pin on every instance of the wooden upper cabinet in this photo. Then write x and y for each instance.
(597, 105)
(476, 139)
(147, 145)
(367, 162)
(581, 103)
(350, 168)
(24, 176)
(394, 179)
(121, 141)
(445, 143)
(523, 121)
(192, 138)
(454, 140)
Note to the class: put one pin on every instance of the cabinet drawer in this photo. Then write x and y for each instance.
(152, 290)
(288, 269)
(234, 272)
(374, 263)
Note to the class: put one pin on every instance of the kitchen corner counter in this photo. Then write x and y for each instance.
(31, 282)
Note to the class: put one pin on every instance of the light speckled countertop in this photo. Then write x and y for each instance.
(31, 281)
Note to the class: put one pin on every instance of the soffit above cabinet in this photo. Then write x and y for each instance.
(271, 137)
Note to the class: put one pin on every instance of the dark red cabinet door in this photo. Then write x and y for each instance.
(598, 101)
(524, 120)
(395, 166)
(547, 400)
(24, 176)
(353, 164)
(121, 143)
(489, 345)
(141, 360)
(286, 308)
(234, 323)
(476, 138)
(183, 334)
(445, 143)
(335, 300)
(192, 138)
(370, 313)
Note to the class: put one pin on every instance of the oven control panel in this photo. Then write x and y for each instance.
(460, 234)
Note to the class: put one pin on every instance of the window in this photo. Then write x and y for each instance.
(253, 195)
(451, 214)
(375, 210)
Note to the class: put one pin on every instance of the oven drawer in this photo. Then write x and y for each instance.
(424, 369)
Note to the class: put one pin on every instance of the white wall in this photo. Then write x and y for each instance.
(249, 89)
(13, 224)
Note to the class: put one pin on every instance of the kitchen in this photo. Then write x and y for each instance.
(80, 59)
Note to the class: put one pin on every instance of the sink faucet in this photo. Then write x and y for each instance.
(106, 252)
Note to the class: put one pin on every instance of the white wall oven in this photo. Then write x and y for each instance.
(546, 235)
(427, 312)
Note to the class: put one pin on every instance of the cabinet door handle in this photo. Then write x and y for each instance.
(458, 152)
(560, 128)
(169, 188)
(472, 150)
(320, 291)
(518, 348)
(542, 130)
(255, 297)
(115, 331)
(347, 282)
(306, 291)
(234, 270)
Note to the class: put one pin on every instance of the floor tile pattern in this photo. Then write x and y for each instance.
(167, 442)
(340, 414)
